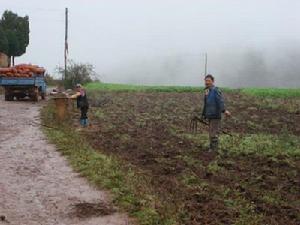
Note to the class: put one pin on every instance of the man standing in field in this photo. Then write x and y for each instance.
(212, 111)
(82, 104)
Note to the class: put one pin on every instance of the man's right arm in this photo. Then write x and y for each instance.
(221, 104)
(75, 95)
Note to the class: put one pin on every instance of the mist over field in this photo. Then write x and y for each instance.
(248, 68)
(249, 43)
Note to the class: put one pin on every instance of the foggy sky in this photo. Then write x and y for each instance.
(249, 43)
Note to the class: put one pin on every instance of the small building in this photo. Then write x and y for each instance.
(3, 60)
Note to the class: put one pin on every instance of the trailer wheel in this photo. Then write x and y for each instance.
(8, 96)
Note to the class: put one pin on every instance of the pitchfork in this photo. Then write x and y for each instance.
(194, 123)
(195, 119)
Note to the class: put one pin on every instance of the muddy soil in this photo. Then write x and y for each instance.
(201, 187)
(37, 185)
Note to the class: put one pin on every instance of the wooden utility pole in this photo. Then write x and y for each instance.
(66, 42)
(205, 66)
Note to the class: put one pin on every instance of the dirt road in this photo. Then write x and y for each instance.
(37, 186)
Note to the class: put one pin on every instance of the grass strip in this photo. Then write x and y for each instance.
(130, 190)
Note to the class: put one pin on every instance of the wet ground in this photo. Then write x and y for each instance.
(37, 186)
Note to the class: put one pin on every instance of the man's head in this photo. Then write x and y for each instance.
(78, 87)
(209, 80)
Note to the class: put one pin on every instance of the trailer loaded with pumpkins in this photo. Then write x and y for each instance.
(24, 80)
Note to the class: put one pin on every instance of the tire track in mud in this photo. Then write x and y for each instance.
(37, 186)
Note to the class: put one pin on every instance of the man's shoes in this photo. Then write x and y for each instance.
(86, 122)
(82, 122)
(213, 148)
(210, 150)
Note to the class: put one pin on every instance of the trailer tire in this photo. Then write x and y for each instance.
(9, 97)
(7, 94)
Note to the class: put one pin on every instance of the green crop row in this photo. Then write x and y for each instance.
(259, 92)
(272, 92)
(140, 88)
(97, 86)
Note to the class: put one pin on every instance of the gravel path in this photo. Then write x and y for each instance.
(37, 185)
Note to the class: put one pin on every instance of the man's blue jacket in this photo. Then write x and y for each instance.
(213, 103)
